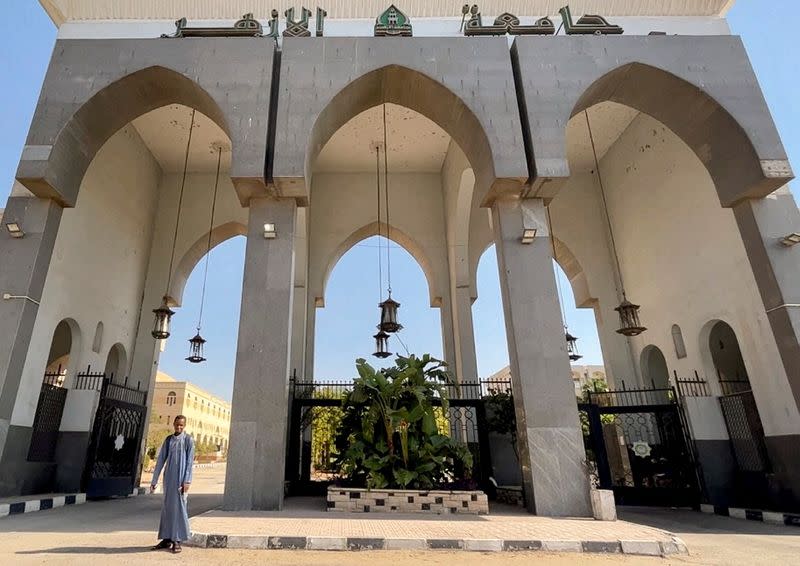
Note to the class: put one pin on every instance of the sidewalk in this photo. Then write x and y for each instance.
(304, 524)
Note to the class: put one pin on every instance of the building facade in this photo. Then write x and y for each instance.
(208, 417)
(607, 143)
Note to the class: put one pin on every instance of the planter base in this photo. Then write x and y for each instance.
(437, 502)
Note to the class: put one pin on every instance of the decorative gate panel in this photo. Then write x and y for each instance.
(745, 431)
(116, 439)
(637, 446)
(47, 420)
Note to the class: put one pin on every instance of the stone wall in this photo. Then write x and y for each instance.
(356, 500)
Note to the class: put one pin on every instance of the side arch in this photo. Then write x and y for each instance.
(398, 237)
(196, 252)
(716, 138)
(59, 176)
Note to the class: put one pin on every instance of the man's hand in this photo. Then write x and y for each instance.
(185, 487)
(152, 488)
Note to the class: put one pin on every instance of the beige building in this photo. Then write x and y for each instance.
(581, 375)
(208, 417)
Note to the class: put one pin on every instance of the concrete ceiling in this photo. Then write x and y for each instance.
(416, 144)
(608, 120)
(63, 10)
(165, 131)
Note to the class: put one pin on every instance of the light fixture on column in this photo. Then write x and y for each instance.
(269, 231)
(629, 324)
(197, 342)
(572, 341)
(388, 307)
(14, 229)
(164, 313)
(791, 239)
(528, 234)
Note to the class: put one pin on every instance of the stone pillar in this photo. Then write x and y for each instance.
(762, 224)
(465, 335)
(548, 430)
(448, 336)
(256, 459)
(24, 263)
(311, 327)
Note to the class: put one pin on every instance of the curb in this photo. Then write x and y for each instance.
(630, 547)
(771, 517)
(31, 505)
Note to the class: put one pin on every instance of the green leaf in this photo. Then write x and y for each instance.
(404, 477)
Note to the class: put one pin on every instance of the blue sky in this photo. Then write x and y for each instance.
(345, 326)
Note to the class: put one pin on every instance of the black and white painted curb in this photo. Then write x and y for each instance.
(31, 505)
(771, 517)
(633, 547)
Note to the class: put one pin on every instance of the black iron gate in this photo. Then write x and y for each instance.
(113, 457)
(317, 405)
(47, 421)
(637, 446)
(748, 445)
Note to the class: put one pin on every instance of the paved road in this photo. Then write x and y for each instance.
(121, 531)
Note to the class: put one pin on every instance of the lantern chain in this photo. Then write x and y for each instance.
(386, 189)
(208, 245)
(180, 203)
(605, 204)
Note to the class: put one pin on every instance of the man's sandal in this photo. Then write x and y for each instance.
(176, 548)
(162, 545)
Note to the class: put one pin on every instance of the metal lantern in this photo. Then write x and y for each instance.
(572, 348)
(161, 325)
(389, 316)
(629, 324)
(381, 345)
(196, 343)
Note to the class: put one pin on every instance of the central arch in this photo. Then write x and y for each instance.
(409, 88)
(398, 237)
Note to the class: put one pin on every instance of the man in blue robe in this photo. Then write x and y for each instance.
(177, 452)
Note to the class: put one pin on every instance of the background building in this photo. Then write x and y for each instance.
(208, 417)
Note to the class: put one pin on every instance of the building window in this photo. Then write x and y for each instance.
(677, 340)
(171, 398)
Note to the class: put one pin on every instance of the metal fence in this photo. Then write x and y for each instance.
(47, 421)
(745, 431)
(697, 387)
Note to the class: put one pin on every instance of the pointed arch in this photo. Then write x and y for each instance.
(60, 174)
(712, 133)
(398, 237)
(196, 252)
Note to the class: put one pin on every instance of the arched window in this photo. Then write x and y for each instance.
(677, 340)
(171, 398)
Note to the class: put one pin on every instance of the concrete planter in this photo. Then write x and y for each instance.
(359, 500)
(603, 506)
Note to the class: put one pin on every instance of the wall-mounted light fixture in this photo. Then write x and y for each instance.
(14, 229)
(528, 234)
(9, 296)
(269, 231)
(791, 239)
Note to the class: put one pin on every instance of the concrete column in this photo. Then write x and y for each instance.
(448, 335)
(24, 263)
(257, 455)
(548, 431)
(465, 335)
(762, 224)
(311, 327)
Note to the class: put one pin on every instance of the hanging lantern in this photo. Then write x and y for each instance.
(196, 343)
(572, 348)
(629, 324)
(161, 325)
(381, 345)
(389, 316)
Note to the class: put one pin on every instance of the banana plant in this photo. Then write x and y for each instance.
(389, 435)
